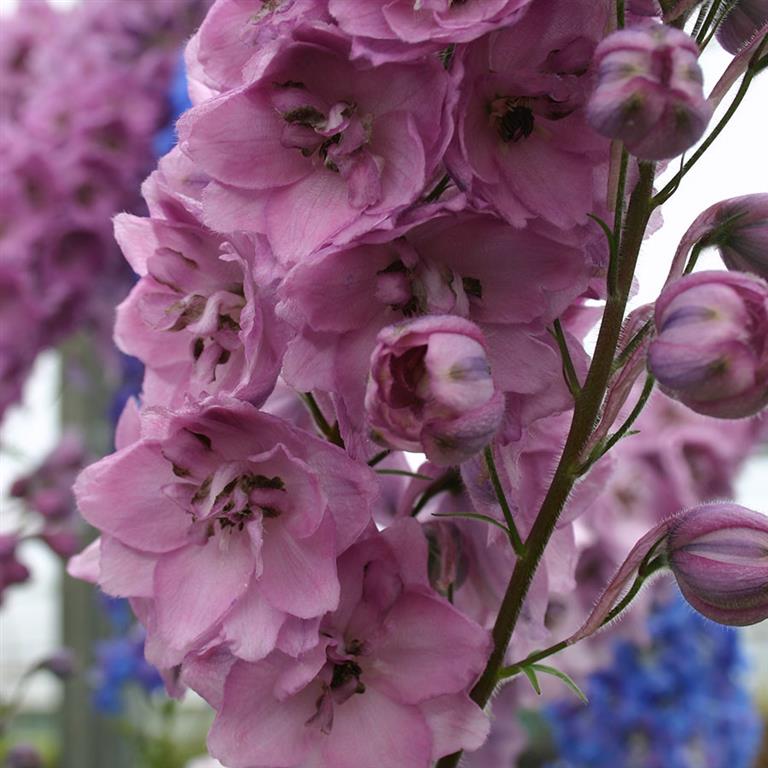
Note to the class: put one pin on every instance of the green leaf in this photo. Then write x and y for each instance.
(531, 675)
(547, 670)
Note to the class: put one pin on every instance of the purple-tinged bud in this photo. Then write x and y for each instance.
(742, 23)
(740, 233)
(711, 351)
(431, 389)
(65, 542)
(23, 756)
(649, 91)
(738, 227)
(11, 570)
(61, 663)
(719, 555)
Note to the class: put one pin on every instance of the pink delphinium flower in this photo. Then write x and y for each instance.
(237, 38)
(319, 149)
(511, 283)
(521, 120)
(20, 316)
(197, 318)
(222, 518)
(385, 686)
(11, 570)
(405, 29)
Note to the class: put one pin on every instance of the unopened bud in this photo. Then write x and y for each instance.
(23, 756)
(431, 389)
(649, 91)
(745, 19)
(711, 351)
(719, 556)
(740, 232)
(61, 663)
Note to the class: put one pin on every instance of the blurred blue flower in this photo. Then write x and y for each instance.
(677, 703)
(131, 377)
(178, 101)
(119, 663)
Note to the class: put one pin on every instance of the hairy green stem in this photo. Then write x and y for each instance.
(586, 411)
(618, 609)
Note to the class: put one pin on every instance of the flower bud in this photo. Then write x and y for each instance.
(23, 756)
(719, 555)
(740, 232)
(649, 91)
(711, 352)
(431, 389)
(61, 663)
(738, 227)
(11, 570)
(742, 23)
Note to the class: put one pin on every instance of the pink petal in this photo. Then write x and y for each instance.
(305, 215)
(420, 633)
(236, 138)
(397, 141)
(299, 575)
(120, 496)
(252, 729)
(85, 566)
(125, 572)
(456, 723)
(372, 730)
(252, 626)
(197, 585)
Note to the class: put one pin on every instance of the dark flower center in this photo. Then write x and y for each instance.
(515, 124)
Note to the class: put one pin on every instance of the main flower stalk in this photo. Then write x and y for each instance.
(586, 409)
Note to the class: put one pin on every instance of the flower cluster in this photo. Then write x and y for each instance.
(47, 508)
(674, 703)
(81, 96)
(394, 217)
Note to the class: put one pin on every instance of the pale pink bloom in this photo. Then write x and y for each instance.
(521, 120)
(224, 524)
(404, 29)
(511, 283)
(718, 554)
(318, 148)
(711, 347)
(197, 317)
(237, 39)
(386, 686)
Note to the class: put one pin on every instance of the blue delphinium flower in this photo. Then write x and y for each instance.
(178, 102)
(120, 663)
(677, 703)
